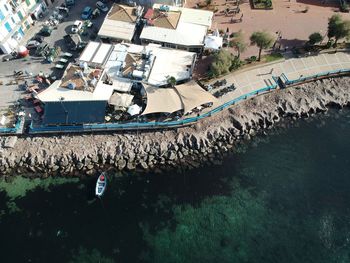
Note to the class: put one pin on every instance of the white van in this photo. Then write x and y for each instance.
(77, 26)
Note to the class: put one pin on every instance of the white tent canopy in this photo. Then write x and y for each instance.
(213, 42)
(134, 109)
(121, 100)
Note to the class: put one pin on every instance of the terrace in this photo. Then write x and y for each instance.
(80, 78)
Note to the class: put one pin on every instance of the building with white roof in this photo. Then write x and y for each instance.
(176, 27)
(81, 96)
(120, 23)
(16, 18)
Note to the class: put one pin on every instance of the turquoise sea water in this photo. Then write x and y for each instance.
(284, 197)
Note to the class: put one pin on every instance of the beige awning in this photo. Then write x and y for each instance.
(183, 97)
(193, 95)
(162, 100)
(120, 100)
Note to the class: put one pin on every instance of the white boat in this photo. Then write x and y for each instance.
(101, 185)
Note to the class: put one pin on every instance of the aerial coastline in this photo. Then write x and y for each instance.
(175, 131)
(156, 94)
(70, 155)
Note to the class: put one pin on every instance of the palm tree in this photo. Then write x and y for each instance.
(171, 81)
(262, 40)
(238, 43)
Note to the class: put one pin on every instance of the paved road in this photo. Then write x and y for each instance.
(11, 93)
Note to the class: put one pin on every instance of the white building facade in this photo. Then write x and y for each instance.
(16, 17)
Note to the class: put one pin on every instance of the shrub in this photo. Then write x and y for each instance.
(268, 3)
(223, 63)
(236, 63)
(315, 38)
(330, 43)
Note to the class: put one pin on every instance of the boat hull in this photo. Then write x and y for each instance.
(101, 185)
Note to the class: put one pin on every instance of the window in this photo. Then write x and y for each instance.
(20, 15)
(28, 2)
(27, 24)
(1, 16)
(13, 20)
(20, 31)
(6, 8)
(8, 27)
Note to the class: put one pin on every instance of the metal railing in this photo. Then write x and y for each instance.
(315, 76)
(13, 130)
(145, 125)
(178, 123)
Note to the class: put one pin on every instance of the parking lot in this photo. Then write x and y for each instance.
(33, 65)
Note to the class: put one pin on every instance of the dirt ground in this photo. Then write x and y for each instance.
(285, 19)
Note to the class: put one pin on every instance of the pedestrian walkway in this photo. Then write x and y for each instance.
(297, 68)
(249, 83)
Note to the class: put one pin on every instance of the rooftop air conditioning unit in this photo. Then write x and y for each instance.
(71, 86)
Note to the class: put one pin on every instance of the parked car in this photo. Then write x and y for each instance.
(77, 26)
(73, 41)
(70, 2)
(9, 57)
(96, 13)
(38, 38)
(102, 6)
(86, 14)
(32, 44)
(63, 9)
(43, 49)
(46, 31)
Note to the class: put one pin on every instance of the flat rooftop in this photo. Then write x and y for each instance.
(120, 22)
(80, 78)
(180, 26)
(123, 64)
(151, 64)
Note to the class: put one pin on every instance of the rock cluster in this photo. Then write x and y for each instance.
(74, 155)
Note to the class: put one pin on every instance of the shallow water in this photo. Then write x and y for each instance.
(283, 197)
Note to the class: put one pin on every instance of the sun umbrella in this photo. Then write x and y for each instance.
(23, 51)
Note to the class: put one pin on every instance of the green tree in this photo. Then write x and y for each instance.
(262, 40)
(338, 28)
(315, 38)
(238, 43)
(221, 63)
(171, 81)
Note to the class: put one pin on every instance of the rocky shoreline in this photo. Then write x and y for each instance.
(79, 155)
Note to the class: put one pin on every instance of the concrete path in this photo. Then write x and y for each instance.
(255, 79)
